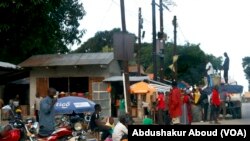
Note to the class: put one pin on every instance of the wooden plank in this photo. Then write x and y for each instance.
(42, 85)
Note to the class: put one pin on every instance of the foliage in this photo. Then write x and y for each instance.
(190, 65)
(146, 57)
(38, 27)
(102, 39)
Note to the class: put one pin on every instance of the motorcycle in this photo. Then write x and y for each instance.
(77, 125)
(62, 133)
(15, 130)
(9, 133)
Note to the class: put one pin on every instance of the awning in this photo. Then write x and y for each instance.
(161, 88)
(131, 78)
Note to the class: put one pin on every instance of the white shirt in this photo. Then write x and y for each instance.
(119, 131)
(211, 69)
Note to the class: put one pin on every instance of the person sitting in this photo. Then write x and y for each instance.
(121, 128)
(96, 124)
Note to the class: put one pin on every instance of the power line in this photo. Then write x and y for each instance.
(103, 18)
(182, 32)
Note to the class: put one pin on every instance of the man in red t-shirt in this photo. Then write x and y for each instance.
(160, 108)
(215, 105)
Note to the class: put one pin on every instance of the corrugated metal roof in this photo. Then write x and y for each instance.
(8, 65)
(68, 59)
(131, 78)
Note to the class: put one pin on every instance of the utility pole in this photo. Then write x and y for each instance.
(154, 41)
(140, 21)
(162, 40)
(125, 62)
(175, 45)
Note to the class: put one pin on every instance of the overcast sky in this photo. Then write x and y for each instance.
(218, 25)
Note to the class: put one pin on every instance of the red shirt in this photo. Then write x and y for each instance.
(215, 98)
(161, 102)
(175, 103)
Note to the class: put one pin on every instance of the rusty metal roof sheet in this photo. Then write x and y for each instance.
(68, 59)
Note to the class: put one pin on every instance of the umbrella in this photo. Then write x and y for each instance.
(70, 104)
(142, 88)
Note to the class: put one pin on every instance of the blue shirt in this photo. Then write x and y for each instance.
(47, 117)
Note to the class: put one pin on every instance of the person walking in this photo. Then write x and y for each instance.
(226, 67)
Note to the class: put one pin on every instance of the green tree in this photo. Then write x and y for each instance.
(38, 27)
(246, 67)
(191, 62)
(102, 39)
(190, 65)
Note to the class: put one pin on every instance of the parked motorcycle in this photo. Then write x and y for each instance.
(16, 129)
(8, 133)
(62, 133)
(77, 125)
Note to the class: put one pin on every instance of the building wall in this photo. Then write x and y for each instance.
(94, 72)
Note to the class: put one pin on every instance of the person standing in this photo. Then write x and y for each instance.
(160, 108)
(210, 71)
(175, 103)
(16, 102)
(121, 110)
(47, 114)
(226, 67)
(215, 105)
(186, 116)
(37, 106)
(204, 105)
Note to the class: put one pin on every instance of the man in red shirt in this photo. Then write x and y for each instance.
(215, 105)
(175, 103)
(161, 108)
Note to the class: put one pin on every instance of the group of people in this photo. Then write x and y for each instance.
(210, 70)
(177, 106)
(116, 132)
(168, 107)
(176, 111)
(97, 124)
